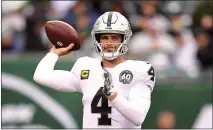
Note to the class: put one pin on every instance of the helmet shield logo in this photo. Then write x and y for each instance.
(110, 20)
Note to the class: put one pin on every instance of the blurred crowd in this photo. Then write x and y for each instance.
(175, 36)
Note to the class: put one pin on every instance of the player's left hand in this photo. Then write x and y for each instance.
(108, 89)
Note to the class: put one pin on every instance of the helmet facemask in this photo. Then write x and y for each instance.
(116, 51)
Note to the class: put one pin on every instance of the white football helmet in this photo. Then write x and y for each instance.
(111, 22)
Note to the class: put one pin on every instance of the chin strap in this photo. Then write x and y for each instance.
(110, 56)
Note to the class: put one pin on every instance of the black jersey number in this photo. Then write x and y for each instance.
(104, 109)
(152, 73)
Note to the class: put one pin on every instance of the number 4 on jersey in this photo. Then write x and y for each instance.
(104, 109)
(151, 72)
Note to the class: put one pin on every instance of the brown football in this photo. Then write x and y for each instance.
(61, 34)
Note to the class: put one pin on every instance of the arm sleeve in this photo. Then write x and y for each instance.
(136, 107)
(60, 80)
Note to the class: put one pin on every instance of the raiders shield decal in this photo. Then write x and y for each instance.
(126, 77)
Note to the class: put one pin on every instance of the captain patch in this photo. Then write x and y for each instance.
(84, 74)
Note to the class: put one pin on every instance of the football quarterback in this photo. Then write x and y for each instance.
(116, 92)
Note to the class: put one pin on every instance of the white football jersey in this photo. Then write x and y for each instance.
(98, 111)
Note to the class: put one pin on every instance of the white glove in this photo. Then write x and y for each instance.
(108, 89)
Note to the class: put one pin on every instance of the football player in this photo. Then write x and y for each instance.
(116, 92)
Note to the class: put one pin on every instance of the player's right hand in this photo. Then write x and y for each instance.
(62, 51)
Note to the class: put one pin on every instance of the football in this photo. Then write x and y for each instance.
(62, 34)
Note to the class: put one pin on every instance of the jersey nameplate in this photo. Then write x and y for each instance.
(84, 74)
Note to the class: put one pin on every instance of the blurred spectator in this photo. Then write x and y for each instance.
(166, 120)
(115, 5)
(96, 6)
(60, 8)
(11, 29)
(152, 45)
(185, 54)
(202, 27)
(159, 5)
(205, 49)
(184, 57)
(81, 18)
(118, 6)
(150, 42)
(202, 17)
(148, 10)
(206, 23)
(174, 10)
(83, 26)
(12, 32)
(34, 25)
(201, 10)
(189, 5)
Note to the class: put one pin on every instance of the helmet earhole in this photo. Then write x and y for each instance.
(122, 38)
(97, 37)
